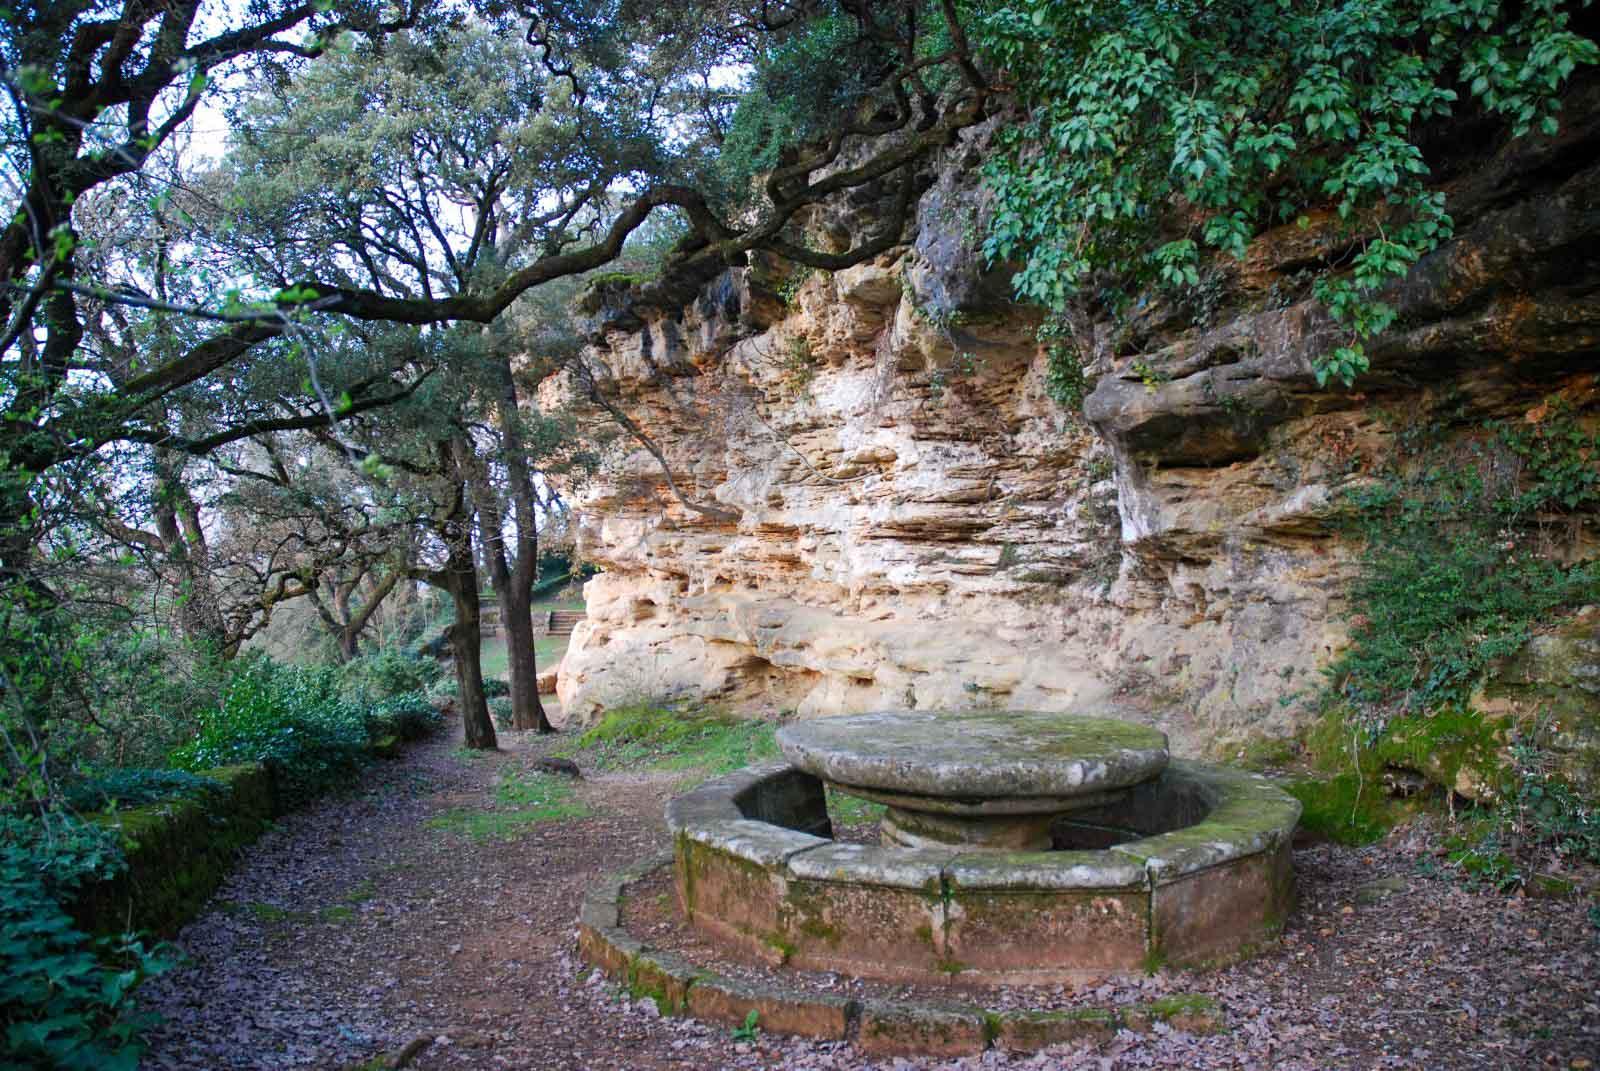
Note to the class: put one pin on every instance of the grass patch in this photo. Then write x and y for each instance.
(531, 800)
(493, 659)
(496, 662)
(361, 892)
(273, 915)
(267, 913)
(847, 810)
(661, 737)
(547, 650)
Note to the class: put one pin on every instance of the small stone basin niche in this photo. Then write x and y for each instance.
(1188, 866)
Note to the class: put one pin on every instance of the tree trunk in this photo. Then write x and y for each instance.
(460, 579)
(178, 523)
(466, 639)
(527, 712)
(339, 630)
(516, 593)
(349, 644)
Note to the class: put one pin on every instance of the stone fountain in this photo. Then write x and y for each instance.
(1018, 847)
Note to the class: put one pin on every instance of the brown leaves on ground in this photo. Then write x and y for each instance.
(354, 931)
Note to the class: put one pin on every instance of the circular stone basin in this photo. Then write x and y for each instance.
(982, 780)
(1189, 868)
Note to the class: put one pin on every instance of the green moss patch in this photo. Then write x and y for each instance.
(178, 852)
(1344, 808)
(1266, 753)
(657, 736)
(1455, 748)
(524, 801)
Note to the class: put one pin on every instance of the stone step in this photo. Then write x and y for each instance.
(562, 622)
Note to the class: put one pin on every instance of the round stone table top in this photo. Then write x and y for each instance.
(988, 754)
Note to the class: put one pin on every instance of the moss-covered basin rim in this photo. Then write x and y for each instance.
(985, 754)
(1247, 814)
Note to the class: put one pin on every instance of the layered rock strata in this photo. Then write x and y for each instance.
(877, 504)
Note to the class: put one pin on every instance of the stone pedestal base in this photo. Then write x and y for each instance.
(992, 833)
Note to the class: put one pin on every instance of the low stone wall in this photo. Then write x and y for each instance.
(178, 852)
(882, 1027)
(1197, 872)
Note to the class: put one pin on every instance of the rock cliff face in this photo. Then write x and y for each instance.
(886, 510)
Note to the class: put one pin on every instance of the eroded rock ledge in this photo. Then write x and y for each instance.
(900, 517)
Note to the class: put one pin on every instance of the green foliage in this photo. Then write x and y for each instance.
(1155, 133)
(500, 709)
(133, 787)
(1543, 823)
(65, 999)
(1451, 574)
(796, 91)
(496, 687)
(390, 672)
(409, 716)
(749, 1030)
(292, 717)
(1064, 375)
(82, 694)
(666, 737)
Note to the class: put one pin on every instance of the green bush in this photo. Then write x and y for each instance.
(389, 673)
(293, 718)
(500, 711)
(494, 688)
(65, 998)
(409, 716)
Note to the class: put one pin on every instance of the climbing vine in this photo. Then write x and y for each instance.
(1455, 569)
(1155, 133)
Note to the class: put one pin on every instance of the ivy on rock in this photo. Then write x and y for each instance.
(1154, 133)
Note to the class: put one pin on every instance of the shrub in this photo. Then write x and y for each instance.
(291, 717)
(65, 998)
(500, 711)
(1544, 824)
(409, 716)
(389, 673)
(494, 687)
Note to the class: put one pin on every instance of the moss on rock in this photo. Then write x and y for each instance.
(1458, 749)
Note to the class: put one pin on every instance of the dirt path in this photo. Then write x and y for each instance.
(355, 928)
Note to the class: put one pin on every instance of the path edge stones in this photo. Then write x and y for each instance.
(876, 1026)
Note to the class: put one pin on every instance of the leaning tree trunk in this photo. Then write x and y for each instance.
(460, 578)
